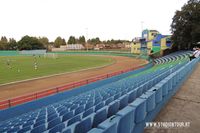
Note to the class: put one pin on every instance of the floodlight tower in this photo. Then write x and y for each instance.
(143, 41)
(86, 29)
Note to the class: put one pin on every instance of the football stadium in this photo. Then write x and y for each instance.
(122, 100)
(149, 84)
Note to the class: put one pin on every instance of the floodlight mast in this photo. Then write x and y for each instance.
(142, 22)
(86, 38)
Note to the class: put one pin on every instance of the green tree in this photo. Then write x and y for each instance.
(71, 40)
(29, 43)
(3, 43)
(81, 40)
(44, 41)
(63, 42)
(185, 26)
(94, 41)
(12, 44)
(59, 41)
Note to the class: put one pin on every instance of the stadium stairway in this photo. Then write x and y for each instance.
(122, 106)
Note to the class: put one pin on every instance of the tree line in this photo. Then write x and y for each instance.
(185, 26)
(32, 43)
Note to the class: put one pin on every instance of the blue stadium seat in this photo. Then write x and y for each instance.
(164, 85)
(88, 112)
(132, 96)
(169, 82)
(124, 92)
(73, 107)
(52, 116)
(123, 101)
(140, 109)
(139, 91)
(54, 122)
(40, 123)
(40, 118)
(150, 100)
(99, 106)
(29, 123)
(97, 101)
(67, 116)
(109, 100)
(158, 95)
(96, 130)
(74, 119)
(14, 129)
(113, 108)
(39, 129)
(70, 129)
(61, 113)
(109, 125)
(84, 126)
(116, 96)
(25, 129)
(79, 110)
(100, 116)
(126, 120)
(57, 128)
(89, 105)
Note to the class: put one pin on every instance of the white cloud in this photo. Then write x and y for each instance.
(118, 19)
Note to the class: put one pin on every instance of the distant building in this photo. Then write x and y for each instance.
(62, 48)
(74, 47)
(99, 46)
(69, 47)
(127, 45)
(151, 40)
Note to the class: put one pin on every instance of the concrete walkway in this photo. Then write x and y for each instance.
(183, 107)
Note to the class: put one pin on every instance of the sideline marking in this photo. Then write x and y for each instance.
(48, 76)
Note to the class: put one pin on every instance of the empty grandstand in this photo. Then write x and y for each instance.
(121, 104)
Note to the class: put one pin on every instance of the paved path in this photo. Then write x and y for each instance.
(183, 107)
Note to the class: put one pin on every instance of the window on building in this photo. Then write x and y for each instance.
(168, 40)
(154, 34)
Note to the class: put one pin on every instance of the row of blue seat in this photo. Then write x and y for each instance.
(133, 117)
(173, 57)
(42, 115)
(108, 99)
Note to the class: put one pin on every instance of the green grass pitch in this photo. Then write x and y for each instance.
(16, 68)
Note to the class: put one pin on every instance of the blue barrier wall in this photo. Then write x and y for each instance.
(133, 118)
(30, 106)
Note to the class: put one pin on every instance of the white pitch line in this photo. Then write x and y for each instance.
(42, 77)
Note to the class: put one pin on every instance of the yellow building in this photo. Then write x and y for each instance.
(151, 40)
(165, 42)
(149, 35)
(149, 46)
(135, 48)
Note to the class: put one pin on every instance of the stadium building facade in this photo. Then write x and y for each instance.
(151, 40)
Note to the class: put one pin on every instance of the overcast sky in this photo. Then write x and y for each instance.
(107, 19)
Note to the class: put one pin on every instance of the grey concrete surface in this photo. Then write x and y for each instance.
(184, 106)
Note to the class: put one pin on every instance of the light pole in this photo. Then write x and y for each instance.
(86, 38)
(142, 22)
